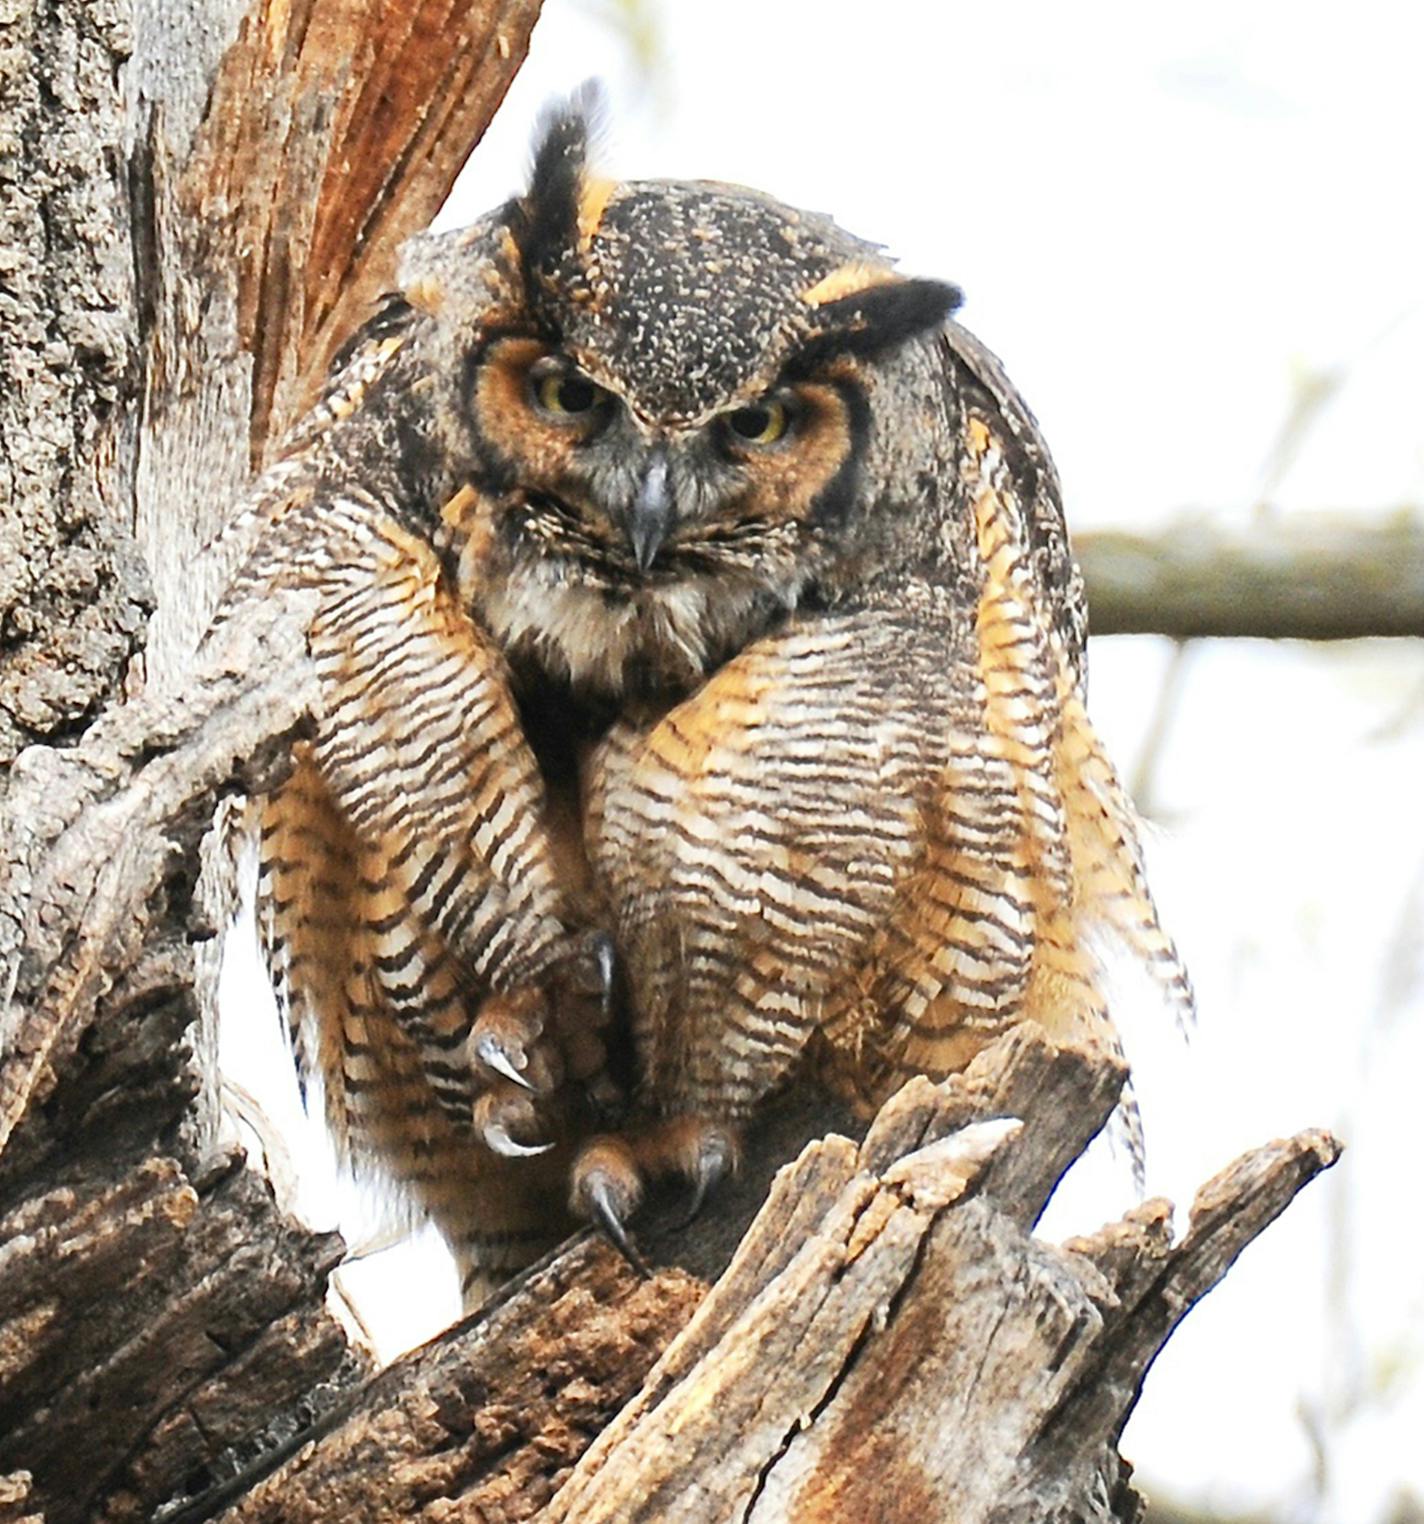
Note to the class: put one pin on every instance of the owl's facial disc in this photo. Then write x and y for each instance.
(623, 499)
(701, 396)
(672, 407)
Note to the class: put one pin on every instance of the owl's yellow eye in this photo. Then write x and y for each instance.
(762, 424)
(567, 396)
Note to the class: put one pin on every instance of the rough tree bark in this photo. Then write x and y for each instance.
(199, 200)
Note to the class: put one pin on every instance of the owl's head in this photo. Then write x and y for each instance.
(669, 395)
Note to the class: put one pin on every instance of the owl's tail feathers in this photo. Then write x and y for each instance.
(1114, 904)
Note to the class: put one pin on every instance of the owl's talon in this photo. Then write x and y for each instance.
(607, 1188)
(494, 1054)
(715, 1159)
(503, 1117)
(498, 1140)
(598, 1200)
(591, 970)
(605, 956)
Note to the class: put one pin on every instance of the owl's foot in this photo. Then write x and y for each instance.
(606, 1188)
(607, 1181)
(526, 1044)
(507, 1120)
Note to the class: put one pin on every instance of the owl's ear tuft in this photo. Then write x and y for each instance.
(544, 220)
(878, 318)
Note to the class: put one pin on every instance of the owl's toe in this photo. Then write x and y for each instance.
(508, 1040)
(606, 1188)
(591, 971)
(508, 1124)
(710, 1158)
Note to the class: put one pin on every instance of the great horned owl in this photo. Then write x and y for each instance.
(693, 596)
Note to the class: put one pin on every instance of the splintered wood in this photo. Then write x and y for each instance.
(336, 132)
(892, 1343)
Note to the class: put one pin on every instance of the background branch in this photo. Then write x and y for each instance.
(1329, 576)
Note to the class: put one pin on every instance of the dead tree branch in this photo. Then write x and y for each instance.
(888, 1342)
(1288, 577)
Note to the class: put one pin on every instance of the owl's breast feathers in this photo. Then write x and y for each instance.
(878, 836)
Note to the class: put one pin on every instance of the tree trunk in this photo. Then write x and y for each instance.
(200, 200)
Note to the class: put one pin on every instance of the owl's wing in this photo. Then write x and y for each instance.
(1019, 523)
(975, 373)
(1031, 867)
(419, 740)
(411, 910)
(393, 1116)
(421, 746)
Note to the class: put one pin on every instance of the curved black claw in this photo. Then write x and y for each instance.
(594, 968)
(499, 1140)
(714, 1164)
(599, 1200)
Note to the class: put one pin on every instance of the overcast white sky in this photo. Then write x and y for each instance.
(1167, 220)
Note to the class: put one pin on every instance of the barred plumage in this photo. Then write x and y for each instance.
(691, 593)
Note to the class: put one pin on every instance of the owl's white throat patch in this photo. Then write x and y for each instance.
(665, 634)
(576, 632)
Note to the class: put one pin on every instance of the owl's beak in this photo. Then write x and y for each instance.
(650, 517)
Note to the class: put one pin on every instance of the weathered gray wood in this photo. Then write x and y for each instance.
(891, 1343)
(1335, 576)
(220, 1347)
(74, 594)
(487, 1421)
(888, 1342)
(100, 844)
